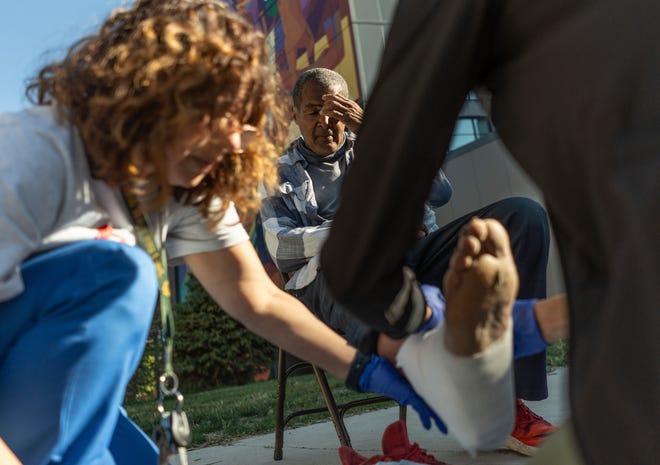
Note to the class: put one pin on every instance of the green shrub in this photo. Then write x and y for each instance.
(211, 349)
(144, 384)
(557, 355)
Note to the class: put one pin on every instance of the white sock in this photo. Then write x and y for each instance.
(474, 395)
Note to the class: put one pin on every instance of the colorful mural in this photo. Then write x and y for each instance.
(307, 33)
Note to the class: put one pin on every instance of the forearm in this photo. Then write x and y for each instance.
(297, 243)
(290, 245)
(538, 324)
(287, 323)
(552, 317)
(236, 280)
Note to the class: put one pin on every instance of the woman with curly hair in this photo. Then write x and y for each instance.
(167, 120)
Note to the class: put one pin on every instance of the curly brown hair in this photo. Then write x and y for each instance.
(152, 71)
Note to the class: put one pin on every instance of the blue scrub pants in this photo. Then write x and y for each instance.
(69, 345)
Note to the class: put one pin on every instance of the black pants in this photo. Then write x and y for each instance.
(528, 228)
(527, 224)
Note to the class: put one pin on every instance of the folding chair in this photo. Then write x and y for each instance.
(336, 411)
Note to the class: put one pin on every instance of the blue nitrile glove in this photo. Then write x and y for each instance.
(436, 302)
(527, 338)
(375, 374)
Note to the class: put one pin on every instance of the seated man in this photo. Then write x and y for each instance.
(297, 220)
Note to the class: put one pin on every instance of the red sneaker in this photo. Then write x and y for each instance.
(529, 431)
(396, 446)
(348, 456)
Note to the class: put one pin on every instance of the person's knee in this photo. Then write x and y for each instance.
(85, 278)
(141, 265)
(137, 285)
(533, 213)
(123, 288)
(523, 216)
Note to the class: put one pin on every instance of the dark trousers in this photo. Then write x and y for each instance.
(69, 344)
(527, 224)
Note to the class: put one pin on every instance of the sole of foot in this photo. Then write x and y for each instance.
(480, 287)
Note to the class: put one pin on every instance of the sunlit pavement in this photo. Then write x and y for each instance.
(317, 444)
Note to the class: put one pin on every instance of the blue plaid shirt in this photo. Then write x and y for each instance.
(293, 230)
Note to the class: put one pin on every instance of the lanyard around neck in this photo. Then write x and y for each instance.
(145, 239)
(173, 433)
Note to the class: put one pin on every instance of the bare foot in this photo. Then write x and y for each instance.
(480, 287)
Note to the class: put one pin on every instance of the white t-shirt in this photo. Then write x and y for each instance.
(48, 199)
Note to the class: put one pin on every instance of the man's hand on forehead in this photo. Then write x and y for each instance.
(343, 109)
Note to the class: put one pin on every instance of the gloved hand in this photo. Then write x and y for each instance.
(527, 338)
(381, 377)
(436, 302)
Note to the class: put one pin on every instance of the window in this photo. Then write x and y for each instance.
(468, 130)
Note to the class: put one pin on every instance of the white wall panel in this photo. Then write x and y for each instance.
(485, 175)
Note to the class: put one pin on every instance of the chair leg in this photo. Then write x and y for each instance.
(337, 418)
(279, 408)
(336, 411)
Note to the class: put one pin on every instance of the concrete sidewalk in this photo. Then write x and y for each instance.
(317, 444)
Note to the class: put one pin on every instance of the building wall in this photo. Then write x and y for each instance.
(484, 173)
(306, 33)
(370, 23)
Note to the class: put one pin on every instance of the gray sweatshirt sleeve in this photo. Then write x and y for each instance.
(32, 183)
